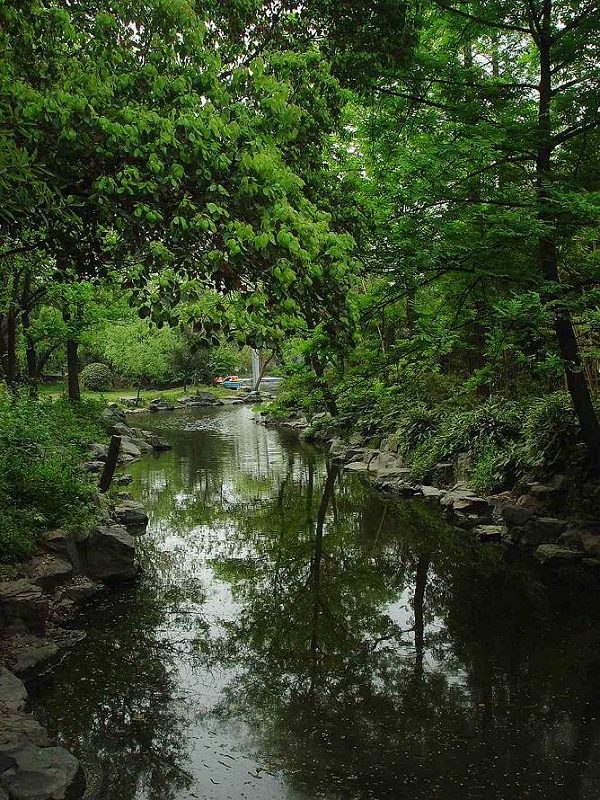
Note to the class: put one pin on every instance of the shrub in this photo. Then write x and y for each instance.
(550, 436)
(97, 377)
(42, 484)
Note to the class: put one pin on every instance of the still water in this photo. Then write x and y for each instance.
(295, 636)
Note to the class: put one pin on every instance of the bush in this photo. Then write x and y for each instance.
(550, 436)
(97, 377)
(42, 484)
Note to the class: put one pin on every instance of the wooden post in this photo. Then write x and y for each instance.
(111, 463)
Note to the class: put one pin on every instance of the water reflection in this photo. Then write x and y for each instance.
(296, 636)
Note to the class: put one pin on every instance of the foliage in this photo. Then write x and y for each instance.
(97, 377)
(42, 484)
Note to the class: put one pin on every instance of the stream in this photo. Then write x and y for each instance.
(296, 636)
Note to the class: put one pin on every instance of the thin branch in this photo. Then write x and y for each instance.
(571, 133)
(576, 21)
(505, 26)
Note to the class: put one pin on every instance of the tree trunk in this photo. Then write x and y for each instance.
(112, 458)
(31, 357)
(11, 349)
(73, 371)
(319, 371)
(548, 260)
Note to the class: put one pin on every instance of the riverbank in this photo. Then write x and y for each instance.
(40, 614)
(531, 516)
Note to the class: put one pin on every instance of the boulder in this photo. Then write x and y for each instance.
(544, 492)
(110, 554)
(556, 554)
(28, 655)
(120, 429)
(98, 452)
(489, 533)
(160, 405)
(112, 416)
(81, 589)
(357, 466)
(40, 773)
(583, 538)
(23, 607)
(550, 527)
(159, 443)
(13, 694)
(515, 515)
(129, 449)
(463, 501)
(432, 492)
(201, 399)
(131, 514)
(93, 466)
(49, 571)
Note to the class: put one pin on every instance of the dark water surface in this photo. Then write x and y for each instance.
(295, 636)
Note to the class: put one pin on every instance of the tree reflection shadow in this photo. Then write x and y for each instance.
(391, 656)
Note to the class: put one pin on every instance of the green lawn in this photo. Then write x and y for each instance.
(146, 395)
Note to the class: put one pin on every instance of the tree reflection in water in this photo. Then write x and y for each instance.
(461, 694)
(352, 645)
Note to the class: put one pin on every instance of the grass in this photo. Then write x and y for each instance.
(146, 395)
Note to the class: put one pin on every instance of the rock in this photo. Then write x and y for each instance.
(160, 405)
(15, 726)
(93, 466)
(112, 416)
(56, 542)
(40, 773)
(432, 492)
(131, 514)
(49, 571)
(158, 443)
(357, 466)
(444, 472)
(120, 429)
(550, 527)
(557, 554)
(465, 502)
(141, 443)
(123, 480)
(110, 554)
(383, 462)
(13, 694)
(129, 449)
(516, 515)
(543, 492)
(81, 589)
(586, 539)
(489, 533)
(23, 607)
(201, 399)
(530, 502)
(28, 655)
(98, 452)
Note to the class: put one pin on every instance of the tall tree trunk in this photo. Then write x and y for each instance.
(31, 357)
(563, 324)
(73, 371)
(11, 349)
(319, 371)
